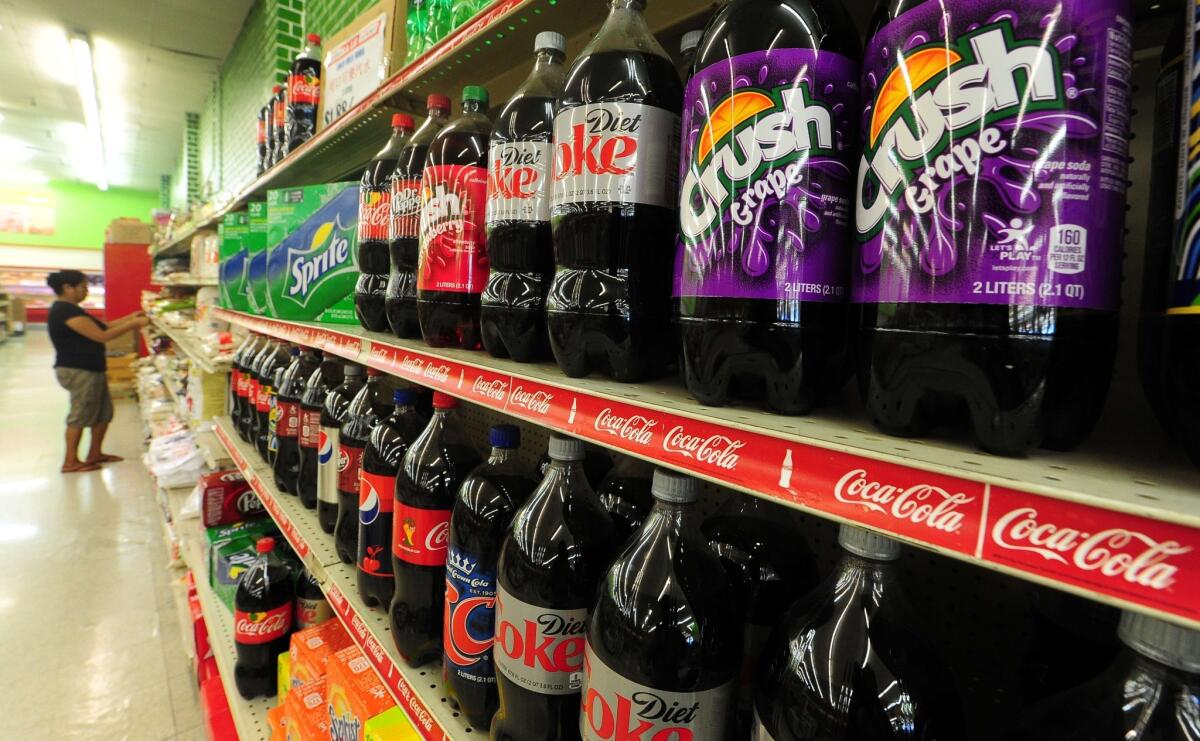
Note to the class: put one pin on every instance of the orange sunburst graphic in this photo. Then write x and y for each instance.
(911, 73)
(727, 115)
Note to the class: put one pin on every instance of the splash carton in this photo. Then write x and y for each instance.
(311, 648)
(231, 255)
(256, 258)
(354, 694)
(312, 233)
(283, 676)
(391, 725)
(304, 716)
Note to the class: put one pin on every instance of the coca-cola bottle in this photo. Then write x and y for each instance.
(286, 461)
(665, 635)
(239, 382)
(625, 493)
(385, 451)
(263, 428)
(430, 473)
(551, 562)
(616, 134)
(596, 464)
(249, 415)
(312, 403)
(483, 509)
(374, 219)
(333, 414)
(304, 93)
(353, 435)
(404, 231)
(1149, 693)
(520, 248)
(278, 131)
(260, 140)
(262, 621)
(847, 664)
(453, 266)
(312, 608)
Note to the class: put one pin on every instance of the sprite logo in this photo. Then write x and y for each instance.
(309, 268)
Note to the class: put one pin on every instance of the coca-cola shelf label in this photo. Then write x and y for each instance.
(517, 189)
(539, 402)
(374, 212)
(469, 619)
(615, 707)
(349, 466)
(310, 428)
(419, 536)
(539, 648)
(262, 627)
(614, 152)
(287, 423)
(406, 209)
(453, 208)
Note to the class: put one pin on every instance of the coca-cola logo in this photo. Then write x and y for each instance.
(1113, 552)
(715, 450)
(440, 373)
(463, 648)
(604, 143)
(249, 628)
(412, 364)
(635, 428)
(304, 89)
(552, 643)
(921, 504)
(534, 401)
(493, 390)
(373, 210)
(438, 537)
(640, 715)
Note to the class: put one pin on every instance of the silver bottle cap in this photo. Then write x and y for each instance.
(867, 544)
(1164, 642)
(691, 40)
(550, 40)
(565, 448)
(675, 488)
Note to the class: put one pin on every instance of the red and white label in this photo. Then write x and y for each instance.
(349, 466)
(717, 450)
(303, 89)
(539, 648)
(287, 423)
(310, 612)
(310, 428)
(453, 208)
(263, 394)
(531, 399)
(235, 381)
(632, 427)
(374, 212)
(614, 153)
(406, 209)
(375, 487)
(922, 504)
(490, 388)
(420, 536)
(516, 188)
(262, 627)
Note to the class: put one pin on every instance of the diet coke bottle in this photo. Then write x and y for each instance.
(262, 621)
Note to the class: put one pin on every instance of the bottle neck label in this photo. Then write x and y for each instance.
(469, 621)
(262, 627)
(539, 648)
(420, 536)
(517, 182)
(453, 210)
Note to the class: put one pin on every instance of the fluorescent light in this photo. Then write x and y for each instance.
(85, 81)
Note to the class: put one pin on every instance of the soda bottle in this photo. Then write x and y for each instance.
(381, 460)
(333, 415)
(239, 380)
(291, 355)
(452, 267)
(596, 464)
(764, 222)
(664, 639)
(360, 419)
(404, 231)
(279, 144)
(286, 464)
(687, 54)
(374, 219)
(304, 93)
(262, 621)
(616, 130)
(312, 608)
(260, 140)
(625, 493)
(249, 415)
(483, 509)
(414, 29)
(270, 363)
(520, 249)
(430, 473)
(1149, 693)
(848, 664)
(988, 262)
(312, 403)
(551, 562)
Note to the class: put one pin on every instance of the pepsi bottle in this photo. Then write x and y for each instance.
(360, 419)
(374, 219)
(312, 403)
(333, 415)
(285, 464)
(625, 494)
(262, 621)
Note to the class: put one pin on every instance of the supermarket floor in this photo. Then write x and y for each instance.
(90, 640)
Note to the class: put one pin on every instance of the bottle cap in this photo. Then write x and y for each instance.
(265, 545)
(475, 92)
(1161, 641)
(402, 397)
(402, 121)
(505, 436)
(440, 102)
(353, 370)
(443, 401)
(294, 352)
(374, 372)
(867, 544)
(550, 40)
(691, 40)
(277, 89)
(313, 38)
(565, 448)
(675, 488)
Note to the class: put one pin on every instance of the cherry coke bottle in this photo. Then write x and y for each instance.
(312, 608)
(452, 267)
(430, 474)
(764, 218)
(263, 429)
(312, 403)
(551, 562)
(374, 223)
(286, 464)
(239, 381)
(304, 93)
(1149, 693)
(847, 664)
(386, 447)
(520, 248)
(665, 636)
(616, 132)
(988, 263)
(625, 493)
(404, 230)
(333, 415)
(277, 132)
(262, 621)
(483, 509)
(353, 435)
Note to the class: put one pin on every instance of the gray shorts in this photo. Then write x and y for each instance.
(91, 404)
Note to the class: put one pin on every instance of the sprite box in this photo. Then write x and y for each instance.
(311, 262)
(232, 257)
(256, 258)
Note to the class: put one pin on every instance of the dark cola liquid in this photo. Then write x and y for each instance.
(312, 402)
(361, 418)
(266, 391)
(625, 493)
(609, 307)
(302, 115)
(262, 625)
(374, 262)
(285, 464)
(400, 301)
(249, 417)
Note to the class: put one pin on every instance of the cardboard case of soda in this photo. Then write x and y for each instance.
(354, 694)
(231, 273)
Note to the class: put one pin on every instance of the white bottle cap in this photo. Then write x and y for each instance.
(1161, 641)
(867, 544)
(691, 40)
(565, 448)
(675, 488)
(550, 40)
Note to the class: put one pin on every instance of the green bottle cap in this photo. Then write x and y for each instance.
(475, 92)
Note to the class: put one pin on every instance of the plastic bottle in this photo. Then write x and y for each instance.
(520, 248)
(263, 429)
(285, 463)
(312, 608)
(249, 418)
(239, 382)
(430, 474)
(260, 140)
(483, 509)
(596, 464)
(404, 232)
(312, 403)
(374, 223)
(416, 19)
(279, 144)
(687, 54)
(452, 266)
(359, 420)
(625, 494)
(613, 208)
(304, 93)
(333, 415)
(262, 621)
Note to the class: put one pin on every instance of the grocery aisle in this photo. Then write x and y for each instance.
(90, 642)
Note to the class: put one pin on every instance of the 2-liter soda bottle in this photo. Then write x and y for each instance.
(360, 419)
(333, 415)
(304, 93)
(374, 222)
(278, 131)
(262, 621)
(285, 463)
(239, 382)
(249, 417)
(312, 404)
(271, 362)
(625, 494)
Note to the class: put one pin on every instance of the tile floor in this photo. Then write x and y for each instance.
(90, 642)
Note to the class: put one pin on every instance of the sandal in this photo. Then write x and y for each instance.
(105, 458)
(81, 467)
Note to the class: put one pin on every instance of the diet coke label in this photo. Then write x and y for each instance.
(516, 185)
(926, 505)
(539, 648)
(494, 389)
(262, 627)
(714, 450)
(635, 428)
(615, 707)
(534, 401)
(614, 152)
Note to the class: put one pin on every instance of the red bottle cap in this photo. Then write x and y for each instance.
(373, 371)
(314, 38)
(437, 101)
(277, 89)
(265, 545)
(443, 401)
(402, 121)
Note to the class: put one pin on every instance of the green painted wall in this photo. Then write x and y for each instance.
(82, 213)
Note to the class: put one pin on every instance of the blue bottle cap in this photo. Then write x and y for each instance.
(402, 397)
(505, 436)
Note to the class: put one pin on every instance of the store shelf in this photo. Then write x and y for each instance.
(179, 279)
(1113, 523)
(189, 346)
(417, 691)
(215, 455)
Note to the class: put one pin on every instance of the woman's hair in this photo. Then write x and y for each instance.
(63, 278)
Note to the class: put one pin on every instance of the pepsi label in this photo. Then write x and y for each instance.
(327, 474)
(376, 498)
(539, 648)
(469, 619)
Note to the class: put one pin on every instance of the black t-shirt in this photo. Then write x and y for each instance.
(74, 350)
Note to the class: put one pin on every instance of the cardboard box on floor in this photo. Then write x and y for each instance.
(358, 58)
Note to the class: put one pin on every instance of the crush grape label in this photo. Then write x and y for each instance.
(995, 154)
(453, 209)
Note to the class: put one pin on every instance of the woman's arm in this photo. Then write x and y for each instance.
(89, 329)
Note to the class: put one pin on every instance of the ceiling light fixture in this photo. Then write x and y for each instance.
(85, 81)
